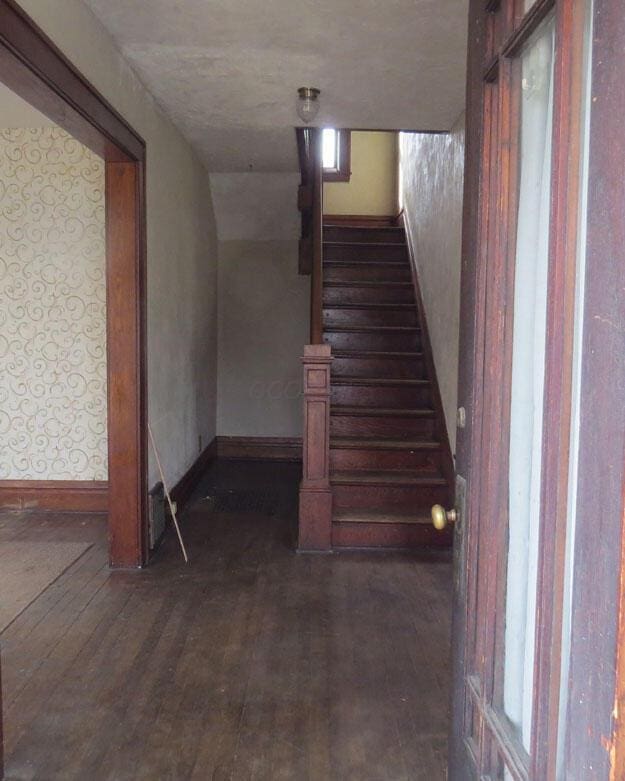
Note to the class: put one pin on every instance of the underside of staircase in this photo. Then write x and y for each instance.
(389, 454)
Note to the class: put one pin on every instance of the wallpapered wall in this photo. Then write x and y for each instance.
(181, 243)
(52, 308)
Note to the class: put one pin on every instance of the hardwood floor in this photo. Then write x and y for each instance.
(252, 662)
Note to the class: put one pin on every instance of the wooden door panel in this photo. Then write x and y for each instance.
(484, 740)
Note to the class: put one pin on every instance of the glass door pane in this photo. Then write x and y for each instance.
(528, 368)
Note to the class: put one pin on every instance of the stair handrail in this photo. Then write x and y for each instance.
(310, 202)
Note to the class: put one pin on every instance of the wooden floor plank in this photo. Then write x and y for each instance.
(252, 662)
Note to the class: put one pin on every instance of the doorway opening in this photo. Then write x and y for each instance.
(38, 73)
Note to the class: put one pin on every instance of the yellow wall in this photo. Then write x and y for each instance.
(372, 189)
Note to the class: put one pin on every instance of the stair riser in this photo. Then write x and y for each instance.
(357, 252)
(382, 427)
(374, 273)
(369, 317)
(389, 535)
(396, 368)
(427, 462)
(367, 295)
(374, 342)
(409, 499)
(381, 235)
(390, 397)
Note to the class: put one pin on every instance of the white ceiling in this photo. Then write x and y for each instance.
(227, 71)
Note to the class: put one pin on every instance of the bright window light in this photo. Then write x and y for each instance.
(329, 148)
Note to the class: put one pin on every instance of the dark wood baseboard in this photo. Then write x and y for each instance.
(88, 496)
(362, 220)
(182, 490)
(261, 448)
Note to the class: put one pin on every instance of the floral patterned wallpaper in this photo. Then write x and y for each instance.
(52, 308)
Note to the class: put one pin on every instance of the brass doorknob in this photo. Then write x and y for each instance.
(441, 517)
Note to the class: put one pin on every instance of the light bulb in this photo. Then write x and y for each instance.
(307, 103)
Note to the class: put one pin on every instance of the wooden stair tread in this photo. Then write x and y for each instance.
(377, 443)
(359, 263)
(334, 243)
(383, 306)
(382, 382)
(395, 477)
(344, 409)
(366, 282)
(328, 222)
(375, 354)
(379, 516)
(372, 328)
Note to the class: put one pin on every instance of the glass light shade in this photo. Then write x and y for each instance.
(307, 104)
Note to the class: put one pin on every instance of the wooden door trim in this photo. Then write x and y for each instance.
(527, 27)
(33, 67)
(560, 329)
(500, 41)
(470, 370)
(595, 746)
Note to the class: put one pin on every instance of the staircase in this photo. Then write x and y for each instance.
(389, 457)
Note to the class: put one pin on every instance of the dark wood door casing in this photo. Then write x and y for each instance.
(497, 33)
(595, 745)
(33, 67)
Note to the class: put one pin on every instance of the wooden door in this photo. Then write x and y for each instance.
(527, 133)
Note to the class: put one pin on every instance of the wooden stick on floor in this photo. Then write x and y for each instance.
(172, 509)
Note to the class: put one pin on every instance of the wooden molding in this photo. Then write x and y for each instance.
(88, 496)
(125, 334)
(261, 448)
(182, 490)
(596, 714)
(531, 21)
(344, 171)
(470, 385)
(306, 196)
(34, 68)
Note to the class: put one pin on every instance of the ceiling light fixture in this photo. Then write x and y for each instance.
(307, 103)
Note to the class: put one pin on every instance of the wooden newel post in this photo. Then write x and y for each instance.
(315, 496)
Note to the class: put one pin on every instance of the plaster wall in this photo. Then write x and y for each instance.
(256, 206)
(181, 243)
(263, 326)
(372, 188)
(263, 305)
(431, 181)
